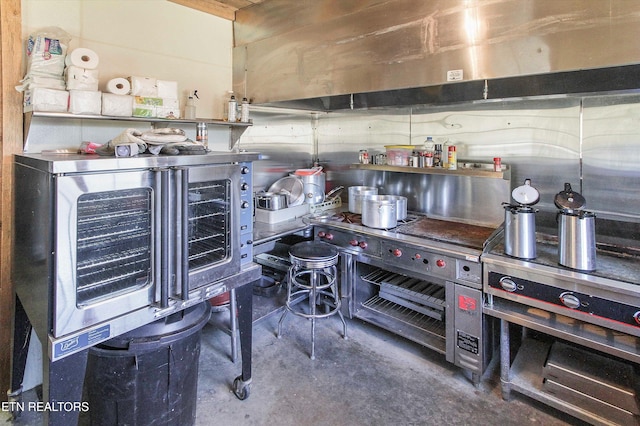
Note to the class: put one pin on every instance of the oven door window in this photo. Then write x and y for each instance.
(114, 234)
(209, 223)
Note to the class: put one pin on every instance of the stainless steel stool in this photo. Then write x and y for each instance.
(313, 277)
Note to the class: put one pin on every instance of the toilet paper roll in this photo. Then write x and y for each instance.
(83, 58)
(119, 86)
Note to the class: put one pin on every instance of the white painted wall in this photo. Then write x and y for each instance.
(149, 38)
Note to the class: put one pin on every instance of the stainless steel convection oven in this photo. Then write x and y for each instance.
(107, 245)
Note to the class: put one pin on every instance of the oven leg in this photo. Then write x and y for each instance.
(62, 385)
(21, 338)
(505, 360)
(244, 303)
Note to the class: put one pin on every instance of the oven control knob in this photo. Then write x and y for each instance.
(244, 205)
(570, 300)
(396, 252)
(363, 244)
(440, 263)
(321, 234)
(244, 170)
(418, 256)
(354, 243)
(508, 284)
(328, 236)
(244, 186)
(636, 317)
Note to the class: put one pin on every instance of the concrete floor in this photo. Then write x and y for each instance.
(372, 378)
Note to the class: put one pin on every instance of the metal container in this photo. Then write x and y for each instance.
(271, 201)
(379, 211)
(314, 183)
(355, 196)
(577, 240)
(520, 222)
(401, 205)
(520, 231)
(576, 231)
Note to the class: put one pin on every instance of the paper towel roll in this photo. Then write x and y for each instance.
(143, 86)
(117, 105)
(85, 102)
(119, 86)
(81, 78)
(83, 58)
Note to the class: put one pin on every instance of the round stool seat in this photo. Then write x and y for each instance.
(313, 255)
(313, 276)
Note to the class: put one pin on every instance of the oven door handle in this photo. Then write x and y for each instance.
(162, 211)
(184, 249)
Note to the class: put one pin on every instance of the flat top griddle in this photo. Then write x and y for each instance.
(463, 234)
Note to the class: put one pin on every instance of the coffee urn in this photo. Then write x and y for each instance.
(576, 231)
(520, 222)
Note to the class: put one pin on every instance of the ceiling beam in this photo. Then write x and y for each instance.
(210, 6)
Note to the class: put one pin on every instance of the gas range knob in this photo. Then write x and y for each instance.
(418, 256)
(508, 284)
(363, 244)
(440, 263)
(353, 243)
(636, 317)
(396, 252)
(244, 205)
(244, 186)
(321, 234)
(328, 236)
(570, 300)
(244, 170)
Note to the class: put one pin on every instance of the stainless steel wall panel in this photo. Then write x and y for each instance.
(285, 141)
(301, 50)
(611, 156)
(592, 142)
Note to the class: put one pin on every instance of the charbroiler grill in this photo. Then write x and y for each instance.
(421, 280)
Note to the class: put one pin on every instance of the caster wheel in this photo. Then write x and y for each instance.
(241, 389)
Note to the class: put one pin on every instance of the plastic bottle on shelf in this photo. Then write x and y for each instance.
(244, 111)
(190, 107)
(445, 154)
(232, 113)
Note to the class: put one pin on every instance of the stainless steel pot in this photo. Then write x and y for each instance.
(577, 240)
(520, 231)
(379, 211)
(401, 205)
(355, 197)
(271, 201)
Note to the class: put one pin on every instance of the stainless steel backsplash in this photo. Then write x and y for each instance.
(591, 142)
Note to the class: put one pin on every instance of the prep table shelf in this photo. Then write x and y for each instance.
(526, 378)
(235, 129)
(525, 374)
(473, 170)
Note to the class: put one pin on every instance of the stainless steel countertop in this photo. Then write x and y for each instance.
(75, 163)
(266, 232)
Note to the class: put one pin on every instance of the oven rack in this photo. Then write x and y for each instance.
(405, 322)
(413, 293)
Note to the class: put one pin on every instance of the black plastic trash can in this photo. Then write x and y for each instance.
(148, 376)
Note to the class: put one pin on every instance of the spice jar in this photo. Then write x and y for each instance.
(452, 158)
(497, 164)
